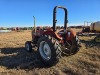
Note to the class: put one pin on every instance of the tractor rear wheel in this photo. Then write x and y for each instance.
(75, 45)
(28, 46)
(49, 49)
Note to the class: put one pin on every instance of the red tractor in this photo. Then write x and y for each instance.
(52, 43)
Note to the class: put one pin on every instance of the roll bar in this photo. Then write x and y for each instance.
(54, 17)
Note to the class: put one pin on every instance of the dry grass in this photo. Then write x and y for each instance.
(14, 60)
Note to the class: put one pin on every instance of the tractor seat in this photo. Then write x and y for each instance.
(61, 31)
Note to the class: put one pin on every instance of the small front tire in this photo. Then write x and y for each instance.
(28, 46)
(97, 39)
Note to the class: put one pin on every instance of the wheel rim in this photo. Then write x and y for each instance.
(27, 47)
(45, 50)
(97, 39)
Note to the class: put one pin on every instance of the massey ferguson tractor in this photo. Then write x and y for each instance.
(53, 43)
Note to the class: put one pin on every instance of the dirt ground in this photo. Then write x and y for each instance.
(14, 60)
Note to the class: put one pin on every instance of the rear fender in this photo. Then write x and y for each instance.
(52, 33)
(70, 34)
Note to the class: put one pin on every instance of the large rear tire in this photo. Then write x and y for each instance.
(75, 45)
(49, 50)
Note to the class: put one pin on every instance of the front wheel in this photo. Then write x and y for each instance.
(97, 39)
(49, 49)
(28, 46)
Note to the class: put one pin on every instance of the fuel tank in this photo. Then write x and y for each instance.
(95, 26)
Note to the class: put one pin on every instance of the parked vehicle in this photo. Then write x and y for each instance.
(52, 43)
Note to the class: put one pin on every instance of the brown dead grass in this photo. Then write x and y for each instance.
(14, 60)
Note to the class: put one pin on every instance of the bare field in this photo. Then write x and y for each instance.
(14, 60)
